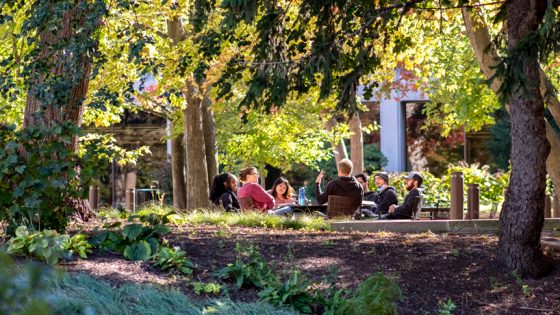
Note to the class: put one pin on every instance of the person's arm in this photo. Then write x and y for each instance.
(261, 196)
(322, 197)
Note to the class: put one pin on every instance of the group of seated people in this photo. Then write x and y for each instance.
(280, 199)
(224, 193)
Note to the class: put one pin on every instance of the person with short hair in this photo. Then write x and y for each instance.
(223, 191)
(363, 179)
(385, 197)
(413, 185)
(252, 189)
(344, 185)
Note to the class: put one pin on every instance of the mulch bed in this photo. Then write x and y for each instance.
(429, 268)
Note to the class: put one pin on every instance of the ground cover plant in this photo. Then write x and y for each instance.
(433, 271)
(221, 218)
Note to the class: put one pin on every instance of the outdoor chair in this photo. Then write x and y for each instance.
(339, 206)
(246, 203)
(417, 207)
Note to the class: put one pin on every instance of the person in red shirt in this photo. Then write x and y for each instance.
(251, 188)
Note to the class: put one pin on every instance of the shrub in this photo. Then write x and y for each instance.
(46, 245)
(22, 288)
(249, 269)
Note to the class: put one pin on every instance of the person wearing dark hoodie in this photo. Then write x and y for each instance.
(222, 193)
(405, 211)
(344, 185)
(385, 197)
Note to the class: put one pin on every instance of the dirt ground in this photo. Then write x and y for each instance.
(428, 267)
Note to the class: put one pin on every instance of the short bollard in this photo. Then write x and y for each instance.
(555, 207)
(129, 200)
(473, 202)
(457, 197)
(93, 197)
(547, 207)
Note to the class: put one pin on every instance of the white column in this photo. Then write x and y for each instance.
(393, 136)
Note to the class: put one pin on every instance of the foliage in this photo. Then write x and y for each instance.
(295, 291)
(35, 188)
(491, 186)
(293, 134)
(135, 241)
(499, 143)
(373, 158)
(376, 295)
(22, 288)
(208, 288)
(144, 241)
(250, 219)
(173, 259)
(248, 269)
(446, 308)
(437, 190)
(78, 244)
(46, 245)
(82, 294)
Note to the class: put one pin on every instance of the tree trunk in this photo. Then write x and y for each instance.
(357, 144)
(73, 67)
(57, 89)
(210, 137)
(197, 169)
(485, 51)
(522, 217)
(178, 172)
(339, 149)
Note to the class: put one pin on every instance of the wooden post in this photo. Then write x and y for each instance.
(457, 196)
(555, 207)
(129, 200)
(473, 201)
(93, 197)
(547, 207)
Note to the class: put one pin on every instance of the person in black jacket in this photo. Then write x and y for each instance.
(405, 211)
(222, 193)
(344, 185)
(385, 197)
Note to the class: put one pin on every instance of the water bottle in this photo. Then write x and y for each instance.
(301, 196)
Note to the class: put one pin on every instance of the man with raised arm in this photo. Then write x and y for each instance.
(344, 185)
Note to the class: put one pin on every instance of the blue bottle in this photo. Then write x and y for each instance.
(301, 196)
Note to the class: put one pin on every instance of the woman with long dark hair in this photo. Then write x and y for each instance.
(282, 192)
(222, 193)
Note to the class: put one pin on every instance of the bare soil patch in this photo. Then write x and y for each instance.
(429, 268)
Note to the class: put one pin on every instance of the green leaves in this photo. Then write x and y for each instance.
(132, 231)
(46, 245)
(138, 251)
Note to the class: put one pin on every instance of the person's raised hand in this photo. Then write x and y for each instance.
(319, 177)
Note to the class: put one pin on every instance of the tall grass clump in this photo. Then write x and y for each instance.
(82, 294)
(251, 219)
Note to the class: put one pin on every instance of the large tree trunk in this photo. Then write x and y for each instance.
(487, 56)
(522, 216)
(57, 90)
(197, 169)
(72, 67)
(210, 137)
(357, 144)
(339, 149)
(178, 172)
